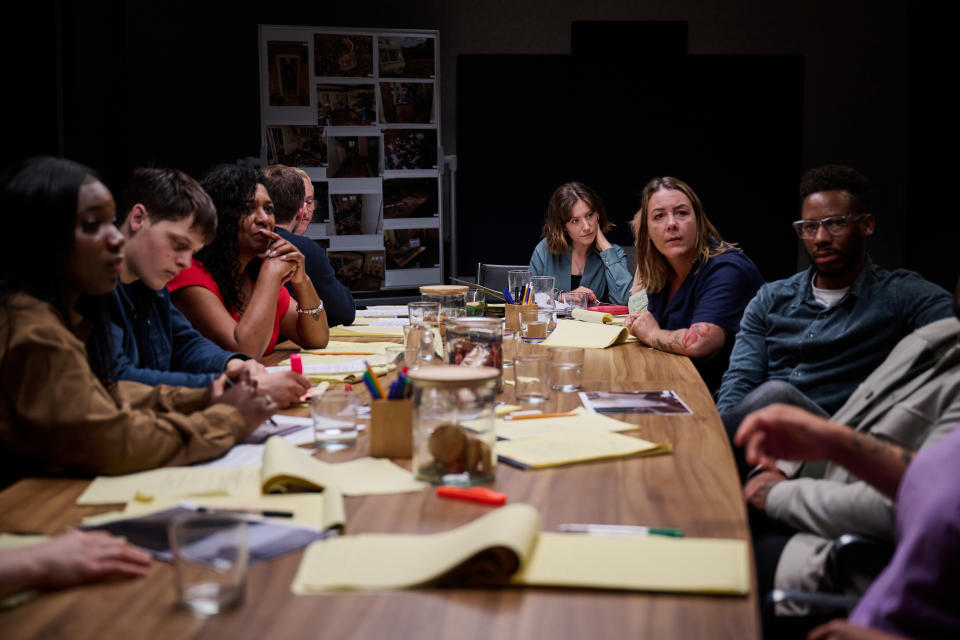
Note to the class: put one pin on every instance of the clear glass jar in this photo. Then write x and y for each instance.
(475, 342)
(451, 298)
(453, 424)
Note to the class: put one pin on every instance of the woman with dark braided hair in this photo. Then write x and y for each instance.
(234, 292)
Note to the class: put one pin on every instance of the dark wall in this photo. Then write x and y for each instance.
(176, 83)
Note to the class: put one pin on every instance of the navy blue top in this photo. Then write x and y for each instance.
(154, 343)
(715, 292)
(337, 299)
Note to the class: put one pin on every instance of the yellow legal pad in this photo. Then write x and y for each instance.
(589, 335)
(584, 420)
(591, 316)
(284, 466)
(572, 447)
(506, 547)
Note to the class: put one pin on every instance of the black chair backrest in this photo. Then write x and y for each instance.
(494, 276)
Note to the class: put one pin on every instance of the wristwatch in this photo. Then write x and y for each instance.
(315, 312)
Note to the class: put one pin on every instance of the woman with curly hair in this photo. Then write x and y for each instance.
(697, 284)
(233, 293)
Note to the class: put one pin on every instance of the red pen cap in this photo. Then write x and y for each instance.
(474, 494)
(296, 362)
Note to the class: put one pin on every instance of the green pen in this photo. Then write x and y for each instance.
(619, 530)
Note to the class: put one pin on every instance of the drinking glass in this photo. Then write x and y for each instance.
(335, 419)
(566, 368)
(210, 556)
(516, 280)
(532, 374)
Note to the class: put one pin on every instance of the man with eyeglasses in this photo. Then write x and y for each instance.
(810, 339)
(292, 194)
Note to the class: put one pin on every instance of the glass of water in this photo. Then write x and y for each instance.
(210, 556)
(532, 374)
(335, 419)
(566, 368)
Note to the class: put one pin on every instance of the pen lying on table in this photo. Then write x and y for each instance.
(619, 530)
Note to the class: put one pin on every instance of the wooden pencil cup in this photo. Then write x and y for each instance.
(391, 428)
(511, 314)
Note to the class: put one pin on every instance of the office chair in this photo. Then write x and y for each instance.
(494, 276)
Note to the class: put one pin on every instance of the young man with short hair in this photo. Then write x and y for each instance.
(165, 217)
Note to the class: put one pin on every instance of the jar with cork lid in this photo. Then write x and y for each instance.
(453, 424)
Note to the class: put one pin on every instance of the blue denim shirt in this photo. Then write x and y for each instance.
(154, 343)
(605, 272)
(785, 334)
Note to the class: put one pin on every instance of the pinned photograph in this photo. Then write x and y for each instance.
(343, 56)
(660, 402)
(346, 104)
(296, 146)
(409, 149)
(287, 74)
(355, 213)
(407, 57)
(361, 271)
(412, 248)
(353, 157)
(410, 198)
(406, 102)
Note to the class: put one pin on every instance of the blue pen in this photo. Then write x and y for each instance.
(507, 297)
(373, 390)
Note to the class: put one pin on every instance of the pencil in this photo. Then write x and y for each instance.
(340, 353)
(373, 378)
(534, 416)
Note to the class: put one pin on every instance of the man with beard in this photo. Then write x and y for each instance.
(810, 339)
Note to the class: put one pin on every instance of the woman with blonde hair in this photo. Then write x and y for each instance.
(575, 251)
(697, 284)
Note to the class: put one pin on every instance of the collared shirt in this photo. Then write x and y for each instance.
(785, 334)
(154, 343)
(605, 272)
(57, 418)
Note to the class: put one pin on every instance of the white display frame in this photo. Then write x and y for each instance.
(308, 116)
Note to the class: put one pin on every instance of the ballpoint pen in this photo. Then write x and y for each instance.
(619, 530)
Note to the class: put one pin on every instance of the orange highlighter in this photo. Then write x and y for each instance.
(473, 494)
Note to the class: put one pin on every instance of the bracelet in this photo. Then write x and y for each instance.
(315, 312)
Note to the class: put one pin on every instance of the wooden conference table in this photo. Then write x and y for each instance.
(695, 488)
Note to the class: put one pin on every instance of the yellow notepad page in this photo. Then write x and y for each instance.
(354, 331)
(318, 510)
(388, 561)
(172, 482)
(285, 465)
(16, 540)
(571, 447)
(644, 563)
(589, 335)
(544, 427)
(591, 316)
(318, 356)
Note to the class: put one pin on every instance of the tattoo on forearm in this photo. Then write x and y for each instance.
(673, 346)
(694, 333)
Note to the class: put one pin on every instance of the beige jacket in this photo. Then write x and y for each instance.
(824, 504)
(57, 418)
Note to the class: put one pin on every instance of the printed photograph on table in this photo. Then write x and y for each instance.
(288, 74)
(355, 213)
(321, 209)
(353, 157)
(406, 102)
(346, 104)
(406, 57)
(360, 271)
(412, 248)
(296, 146)
(409, 149)
(343, 55)
(410, 198)
(659, 402)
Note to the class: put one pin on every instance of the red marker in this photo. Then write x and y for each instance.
(296, 363)
(473, 494)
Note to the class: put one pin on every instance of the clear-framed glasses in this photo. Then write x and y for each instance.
(835, 225)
